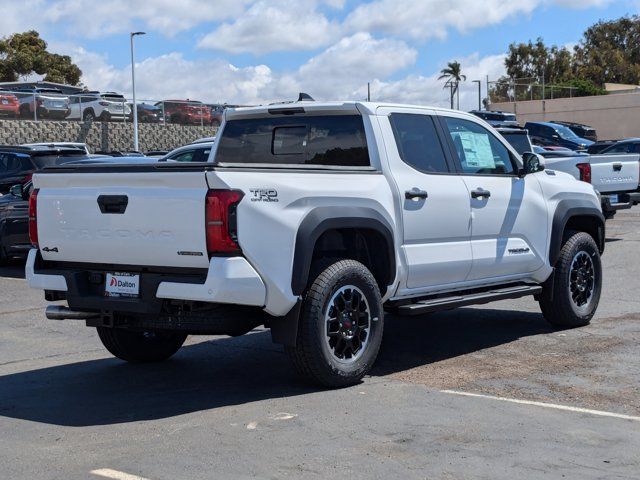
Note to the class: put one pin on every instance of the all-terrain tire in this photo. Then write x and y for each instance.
(571, 297)
(138, 347)
(338, 353)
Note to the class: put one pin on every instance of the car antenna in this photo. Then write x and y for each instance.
(305, 97)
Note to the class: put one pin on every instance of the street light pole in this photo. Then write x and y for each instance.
(479, 82)
(133, 87)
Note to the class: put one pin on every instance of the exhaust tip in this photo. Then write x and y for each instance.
(59, 312)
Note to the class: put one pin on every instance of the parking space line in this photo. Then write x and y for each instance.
(115, 474)
(554, 406)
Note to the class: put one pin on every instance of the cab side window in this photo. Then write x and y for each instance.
(477, 150)
(184, 156)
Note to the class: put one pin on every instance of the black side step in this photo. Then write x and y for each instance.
(463, 300)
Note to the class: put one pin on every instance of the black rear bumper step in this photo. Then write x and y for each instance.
(463, 300)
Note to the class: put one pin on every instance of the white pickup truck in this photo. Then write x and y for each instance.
(313, 219)
(616, 178)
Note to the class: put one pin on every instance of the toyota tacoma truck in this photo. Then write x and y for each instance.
(314, 220)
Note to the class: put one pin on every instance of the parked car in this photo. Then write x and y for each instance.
(18, 163)
(195, 152)
(147, 113)
(600, 145)
(630, 145)
(48, 102)
(186, 112)
(583, 131)
(552, 134)
(547, 152)
(64, 145)
(98, 106)
(317, 218)
(9, 104)
(14, 222)
(497, 119)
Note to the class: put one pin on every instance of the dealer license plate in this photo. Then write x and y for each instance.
(120, 284)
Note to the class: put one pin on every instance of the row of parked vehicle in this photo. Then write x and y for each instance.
(51, 103)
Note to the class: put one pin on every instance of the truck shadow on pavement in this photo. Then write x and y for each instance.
(13, 270)
(233, 371)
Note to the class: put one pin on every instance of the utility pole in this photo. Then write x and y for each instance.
(133, 87)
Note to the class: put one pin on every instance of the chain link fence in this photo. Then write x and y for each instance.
(502, 92)
(50, 104)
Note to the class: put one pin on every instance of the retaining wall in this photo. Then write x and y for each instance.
(104, 136)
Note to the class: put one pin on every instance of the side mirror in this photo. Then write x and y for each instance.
(17, 191)
(531, 163)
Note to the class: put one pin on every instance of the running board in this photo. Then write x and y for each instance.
(463, 300)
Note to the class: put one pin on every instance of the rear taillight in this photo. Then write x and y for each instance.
(33, 218)
(221, 221)
(104, 104)
(585, 172)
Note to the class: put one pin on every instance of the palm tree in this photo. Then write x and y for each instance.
(453, 74)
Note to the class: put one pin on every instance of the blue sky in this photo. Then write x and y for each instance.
(246, 51)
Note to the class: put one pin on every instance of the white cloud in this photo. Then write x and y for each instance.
(268, 25)
(94, 19)
(434, 18)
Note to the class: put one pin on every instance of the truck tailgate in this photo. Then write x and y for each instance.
(134, 218)
(615, 173)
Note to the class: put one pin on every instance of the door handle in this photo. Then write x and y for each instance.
(416, 194)
(479, 193)
(617, 167)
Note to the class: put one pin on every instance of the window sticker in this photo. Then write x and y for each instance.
(477, 150)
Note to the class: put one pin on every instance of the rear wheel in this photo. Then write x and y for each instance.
(341, 326)
(4, 259)
(572, 298)
(88, 115)
(137, 347)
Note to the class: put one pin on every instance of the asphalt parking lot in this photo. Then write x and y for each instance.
(489, 392)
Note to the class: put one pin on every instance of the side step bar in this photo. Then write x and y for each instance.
(463, 300)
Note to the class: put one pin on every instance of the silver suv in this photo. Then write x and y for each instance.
(102, 106)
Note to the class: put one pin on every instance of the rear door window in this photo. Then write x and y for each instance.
(418, 142)
(327, 140)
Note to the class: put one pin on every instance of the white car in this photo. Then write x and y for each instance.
(314, 219)
(101, 106)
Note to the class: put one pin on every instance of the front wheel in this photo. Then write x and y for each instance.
(341, 326)
(137, 347)
(571, 299)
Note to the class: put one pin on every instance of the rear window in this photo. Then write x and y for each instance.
(519, 141)
(333, 140)
(42, 161)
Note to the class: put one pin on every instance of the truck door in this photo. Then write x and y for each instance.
(433, 204)
(508, 213)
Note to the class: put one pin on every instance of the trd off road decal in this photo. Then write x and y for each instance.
(264, 195)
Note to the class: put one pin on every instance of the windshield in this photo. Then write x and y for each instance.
(565, 132)
(518, 141)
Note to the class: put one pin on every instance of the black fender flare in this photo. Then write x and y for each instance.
(322, 219)
(566, 210)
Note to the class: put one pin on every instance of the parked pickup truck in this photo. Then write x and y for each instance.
(615, 177)
(314, 219)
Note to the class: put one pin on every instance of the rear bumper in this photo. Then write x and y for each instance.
(229, 280)
(613, 203)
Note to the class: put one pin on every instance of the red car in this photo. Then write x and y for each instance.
(186, 112)
(9, 105)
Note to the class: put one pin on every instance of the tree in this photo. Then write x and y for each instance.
(537, 62)
(453, 74)
(610, 52)
(23, 54)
